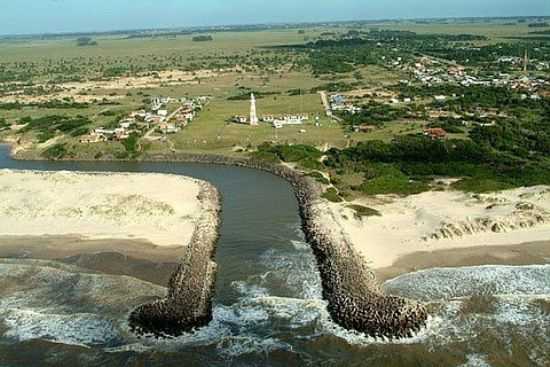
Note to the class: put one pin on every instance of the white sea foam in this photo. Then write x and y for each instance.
(239, 345)
(247, 289)
(259, 322)
(300, 245)
(50, 301)
(475, 360)
(73, 329)
(448, 283)
(296, 270)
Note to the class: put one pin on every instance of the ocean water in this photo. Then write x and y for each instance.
(268, 309)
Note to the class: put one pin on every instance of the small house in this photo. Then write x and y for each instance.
(436, 133)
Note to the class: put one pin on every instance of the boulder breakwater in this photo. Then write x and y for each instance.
(355, 299)
(191, 287)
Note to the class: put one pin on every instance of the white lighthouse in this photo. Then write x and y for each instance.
(253, 114)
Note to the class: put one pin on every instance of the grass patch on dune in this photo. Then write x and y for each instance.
(332, 195)
(364, 212)
(57, 151)
(319, 177)
(480, 186)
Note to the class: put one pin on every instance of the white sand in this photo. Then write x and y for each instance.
(75, 90)
(162, 209)
(443, 220)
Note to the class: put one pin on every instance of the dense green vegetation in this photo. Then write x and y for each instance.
(85, 41)
(57, 151)
(203, 38)
(539, 25)
(47, 127)
(319, 177)
(497, 157)
(408, 163)
(486, 57)
(376, 47)
(52, 104)
(131, 146)
(306, 156)
(3, 124)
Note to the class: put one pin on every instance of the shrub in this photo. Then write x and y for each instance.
(204, 38)
(480, 185)
(393, 184)
(332, 195)
(319, 177)
(57, 151)
(363, 211)
(131, 145)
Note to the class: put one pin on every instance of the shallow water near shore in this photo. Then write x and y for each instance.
(268, 309)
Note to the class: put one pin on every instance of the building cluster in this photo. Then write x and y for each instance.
(339, 103)
(430, 72)
(155, 118)
(277, 121)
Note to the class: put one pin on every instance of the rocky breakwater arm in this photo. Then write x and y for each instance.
(355, 299)
(188, 304)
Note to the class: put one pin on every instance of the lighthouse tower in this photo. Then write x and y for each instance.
(253, 114)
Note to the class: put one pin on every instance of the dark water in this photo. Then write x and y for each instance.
(268, 308)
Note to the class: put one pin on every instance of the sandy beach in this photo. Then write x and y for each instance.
(153, 209)
(437, 221)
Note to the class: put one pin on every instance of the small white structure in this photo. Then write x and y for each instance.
(240, 119)
(279, 122)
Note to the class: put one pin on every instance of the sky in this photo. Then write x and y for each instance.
(52, 16)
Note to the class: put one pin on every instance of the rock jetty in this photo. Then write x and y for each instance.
(355, 299)
(191, 288)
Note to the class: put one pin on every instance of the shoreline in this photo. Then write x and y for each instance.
(529, 253)
(349, 285)
(52, 247)
(135, 258)
(125, 217)
(355, 299)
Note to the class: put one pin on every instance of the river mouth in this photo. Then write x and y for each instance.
(268, 308)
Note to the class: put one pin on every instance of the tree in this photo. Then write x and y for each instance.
(85, 41)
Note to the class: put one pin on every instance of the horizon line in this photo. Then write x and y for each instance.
(228, 25)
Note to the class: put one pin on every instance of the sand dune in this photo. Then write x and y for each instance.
(443, 220)
(162, 209)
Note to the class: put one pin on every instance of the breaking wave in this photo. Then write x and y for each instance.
(64, 304)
